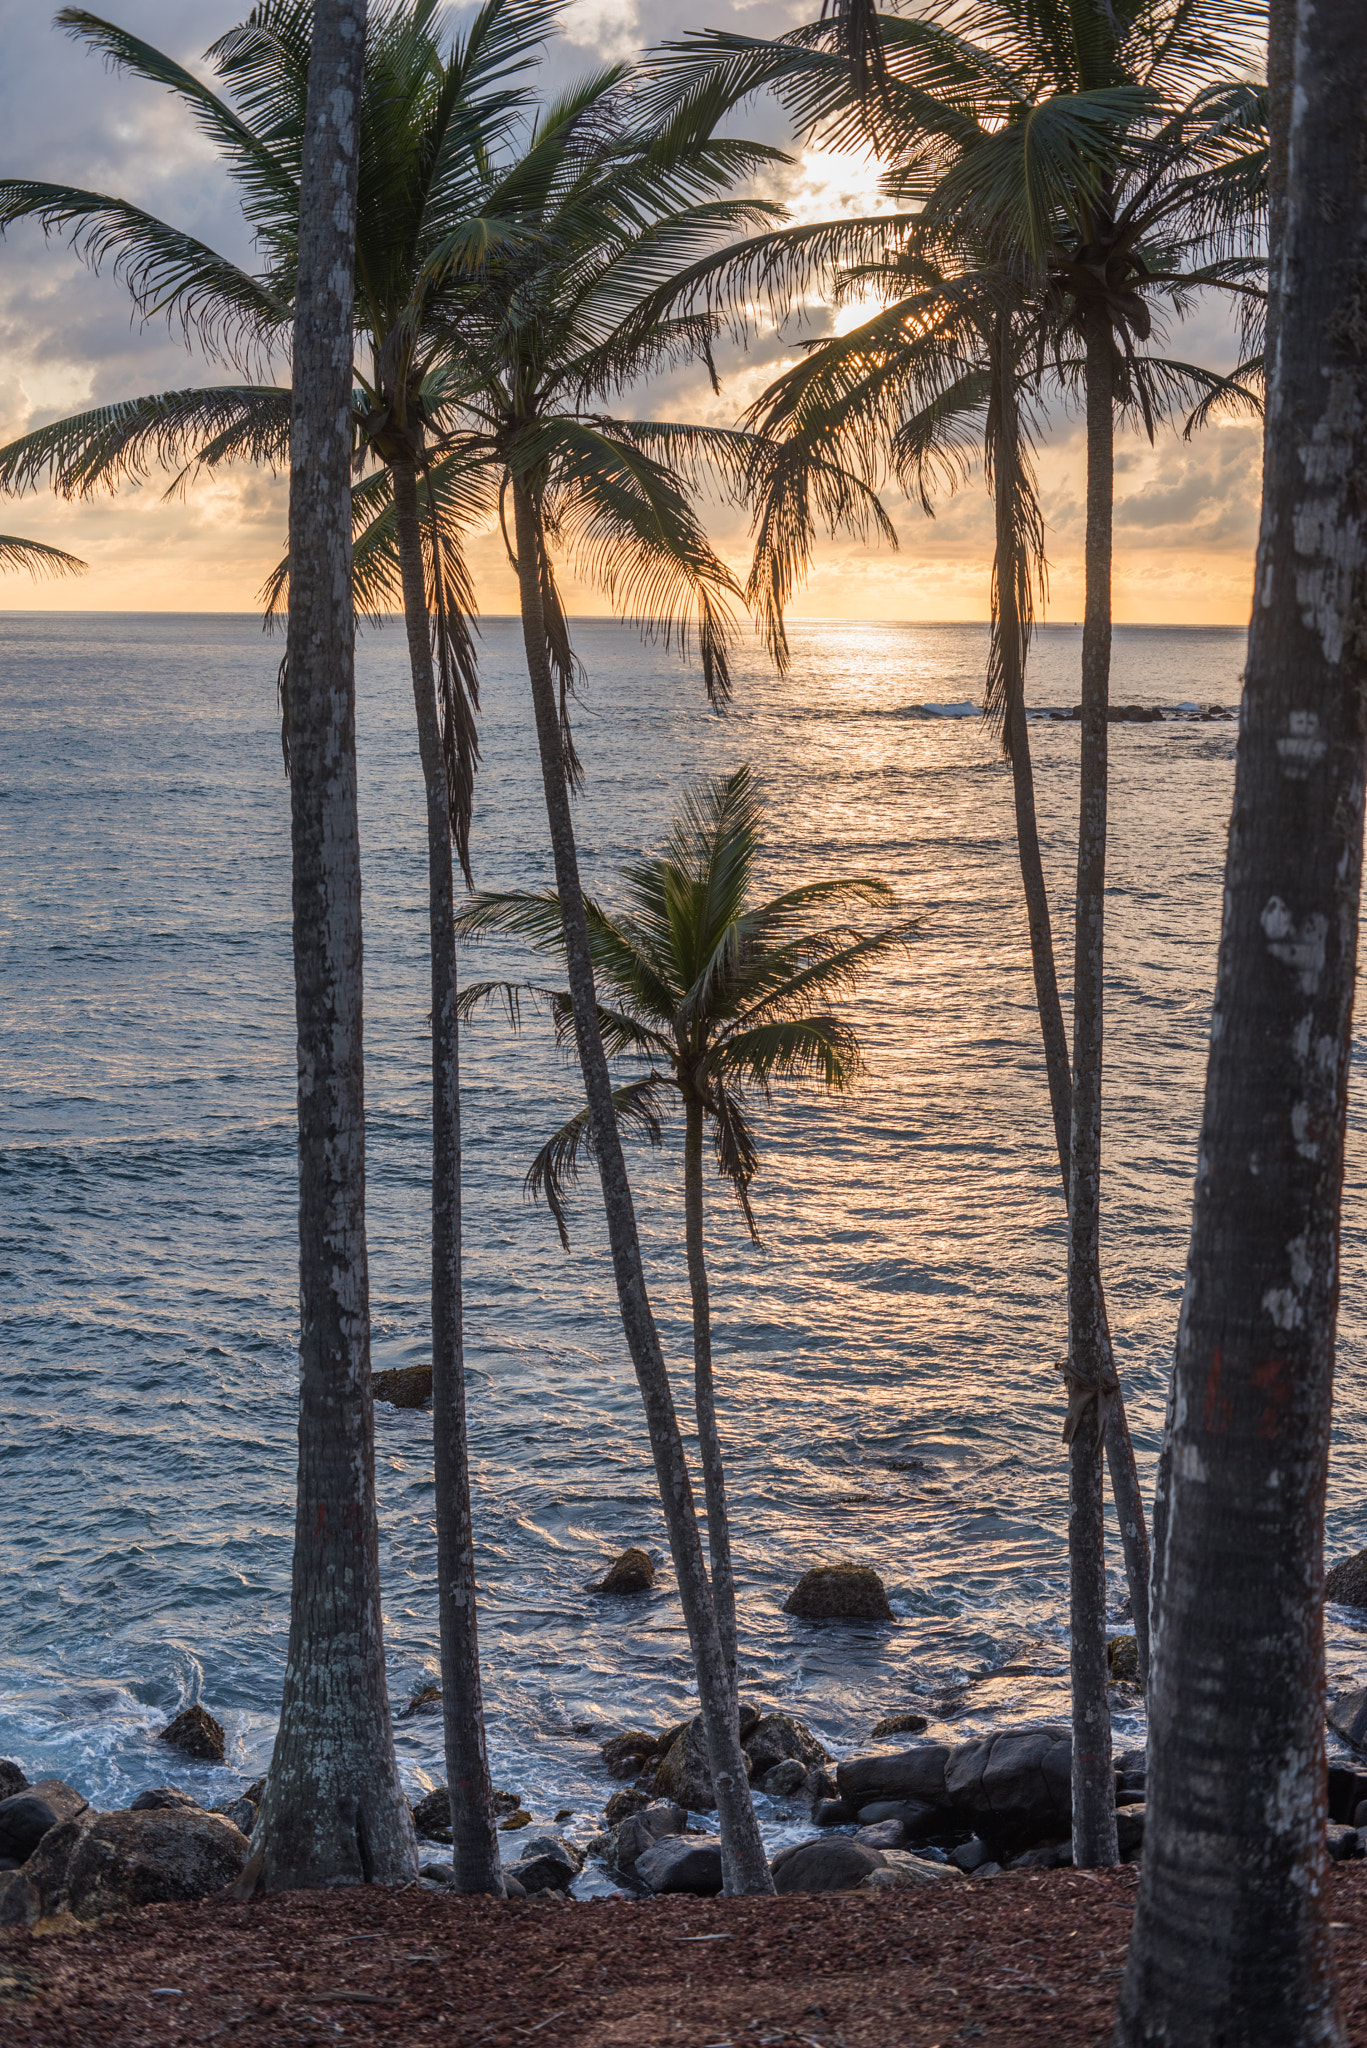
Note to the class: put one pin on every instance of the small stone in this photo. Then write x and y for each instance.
(426, 1700)
(511, 1888)
(969, 1856)
(988, 1869)
(1346, 1584)
(438, 1873)
(197, 1734)
(432, 1815)
(629, 1800)
(1122, 1660)
(842, 1591)
(1344, 1844)
(899, 1724)
(565, 1813)
(883, 1834)
(632, 1572)
(627, 1754)
(407, 1386)
(161, 1796)
(833, 1813)
(513, 1822)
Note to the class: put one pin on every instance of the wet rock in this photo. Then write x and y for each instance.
(970, 1855)
(25, 1817)
(1346, 1583)
(1122, 1660)
(899, 1724)
(1348, 1718)
(432, 1814)
(819, 1783)
(836, 1864)
(684, 1774)
(780, 1738)
(781, 1781)
(545, 1872)
(623, 1803)
(917, 1816)
(241, 1812)
(839, 1592)
(196, 1733)
(512, 1889)
(641, 1831)
(1344, 1844)
(682, 1863)
(632, 1572)
(439, 1873)
(553, 1845)
(12, 1779)
(18, 1900)
(833, 1813)
(110, 1862)
(426, 1700)
(626, 1755)
(884, 1834)
(514, 1821)
(406, 1386)
(162, 1796)
(1016, 1784)
(908, 1774)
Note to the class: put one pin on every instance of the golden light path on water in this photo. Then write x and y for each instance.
(887, 1357)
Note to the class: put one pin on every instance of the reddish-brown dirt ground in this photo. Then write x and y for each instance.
(1026, 1960)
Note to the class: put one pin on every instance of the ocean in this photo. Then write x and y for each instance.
(887, 1357)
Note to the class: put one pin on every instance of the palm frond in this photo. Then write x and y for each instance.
(636, 1109)
(38, 558)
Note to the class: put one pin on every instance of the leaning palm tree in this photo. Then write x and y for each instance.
(721, 996)
(433, 113)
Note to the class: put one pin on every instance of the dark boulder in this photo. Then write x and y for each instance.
(622, 1803)
(632, 1572)
(432, 1814)
(899, 1724)
(18, 1900)
(917, 1818)
(406, 1386)
(25, 1817)
(779, 1738)
(110, 1862)
(682, 1863)
(1129, 1832)
(161, 1795)
(908, 1774)
(1016, 1784)
(626, 1755)
(1122, 1660)
(833, 1813)
(836, 1864)
(12, 1779)
(641, 1831)
(426, 1700)
(1346, 1584)
(196, 1733)
(547, 1864)
(882, 1834)
(241, 1812)
(970, 1856)
(782, 1781)
(684, 1773)
(1344, 1844)
(839, 1592)
(1348, 1718)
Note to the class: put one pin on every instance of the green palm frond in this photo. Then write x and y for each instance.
(37, 558)
(637, 1110)
(124, 442)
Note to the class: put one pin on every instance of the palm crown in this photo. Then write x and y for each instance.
(720, 995)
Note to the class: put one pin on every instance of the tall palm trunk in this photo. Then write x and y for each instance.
(709, 1440)
(333, 1811)
(1089, 1378)
(744, 1863)
(1230, 1938)
(1012, 573)
(474, 1833)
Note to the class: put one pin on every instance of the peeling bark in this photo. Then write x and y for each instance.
(474, 1835)
(333, 1811)
(744, 1864)
(1230, 1940)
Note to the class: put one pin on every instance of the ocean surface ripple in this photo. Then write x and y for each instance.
(887, 1356)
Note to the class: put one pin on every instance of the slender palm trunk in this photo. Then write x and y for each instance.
(1125, 1487)
(1089, 1378)
(709, 1440)
(744, 1862)
(333, 1811)
(1230, 1937)
(474, 1833)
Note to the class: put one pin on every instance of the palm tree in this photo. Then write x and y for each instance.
(721, 996)
(1230, 1936)
(1099, 155)
(37, 557)
(431, 115)
(333, 1810)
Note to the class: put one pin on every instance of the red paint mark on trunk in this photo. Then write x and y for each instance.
(1273, 1378)
(1219, 1409)
(322, 1515)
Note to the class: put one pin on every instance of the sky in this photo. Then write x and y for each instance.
(1186, 512)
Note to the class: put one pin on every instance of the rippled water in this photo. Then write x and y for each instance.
(887, 1357)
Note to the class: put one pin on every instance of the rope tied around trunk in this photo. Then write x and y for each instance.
(1081, 1395)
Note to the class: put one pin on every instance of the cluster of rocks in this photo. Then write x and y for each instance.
(782, 1758)
(842, 1591)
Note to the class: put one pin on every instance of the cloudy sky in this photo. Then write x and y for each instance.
(1186, 513)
